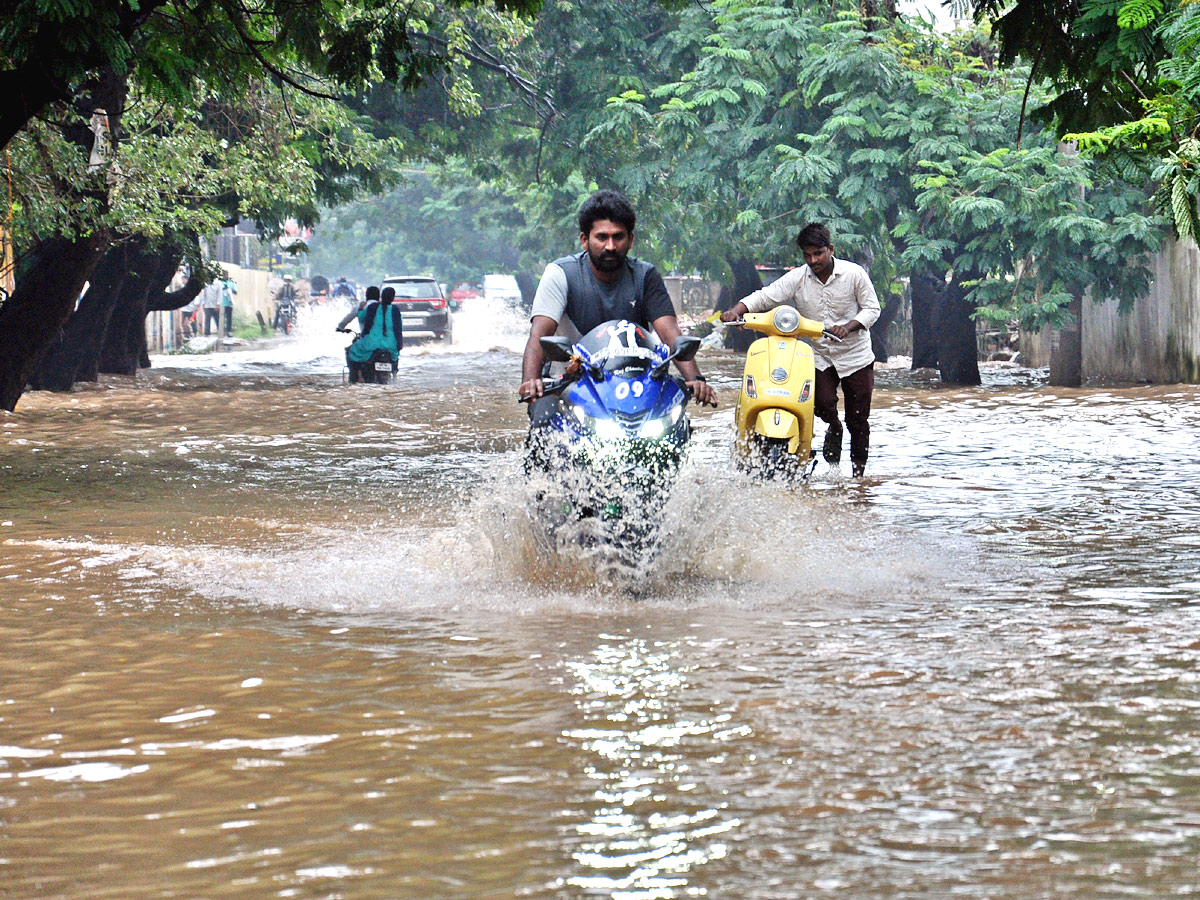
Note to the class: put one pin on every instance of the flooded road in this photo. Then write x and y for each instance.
(269, 635)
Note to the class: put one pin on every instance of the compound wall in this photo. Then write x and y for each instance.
(1159, 339)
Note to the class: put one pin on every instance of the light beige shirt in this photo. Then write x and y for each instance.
(847, 295)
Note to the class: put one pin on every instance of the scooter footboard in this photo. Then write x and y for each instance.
(780, 424)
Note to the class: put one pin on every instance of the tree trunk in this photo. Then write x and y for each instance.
(746, 281)
(44, 299)
(149, 271)
(957, 348)
(943, 330)
(528, 286)
(879, 331)
(52, 276)
(73, 354)
(925, 290)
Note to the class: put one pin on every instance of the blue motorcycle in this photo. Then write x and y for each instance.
(617, 438)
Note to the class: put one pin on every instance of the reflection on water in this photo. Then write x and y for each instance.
(628, 697)
(267, 634)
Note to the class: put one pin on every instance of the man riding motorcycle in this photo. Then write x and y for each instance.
(597, 284)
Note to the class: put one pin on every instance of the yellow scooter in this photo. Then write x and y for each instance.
(774, 413)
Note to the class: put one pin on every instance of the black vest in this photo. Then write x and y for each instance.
(590, 302)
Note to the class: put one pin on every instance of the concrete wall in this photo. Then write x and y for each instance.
(1159, 339)
(164, 330)
(252, 294)
(692, 295)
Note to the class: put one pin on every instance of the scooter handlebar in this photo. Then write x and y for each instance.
(827, 332)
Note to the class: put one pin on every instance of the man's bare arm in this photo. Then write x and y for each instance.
(667, 328)
(531, 366)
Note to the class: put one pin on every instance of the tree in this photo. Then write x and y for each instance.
(49, 47)
(864, 130)
(307, 49)
(1126, 85)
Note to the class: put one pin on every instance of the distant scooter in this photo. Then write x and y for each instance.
(376, 370)
(774, 413)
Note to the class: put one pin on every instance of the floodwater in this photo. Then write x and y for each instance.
(268, 635)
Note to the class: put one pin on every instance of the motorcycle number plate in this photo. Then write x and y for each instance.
(778, 392)
(383, 367)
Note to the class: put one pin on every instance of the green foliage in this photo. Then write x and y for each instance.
(1137, 14)
(732, 123)
(903, 140)
(1127, 77)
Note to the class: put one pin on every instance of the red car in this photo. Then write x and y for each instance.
(464, 290)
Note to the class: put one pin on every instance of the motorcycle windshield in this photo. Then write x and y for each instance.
(622, 348)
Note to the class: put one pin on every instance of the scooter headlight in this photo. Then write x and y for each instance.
(786, 320)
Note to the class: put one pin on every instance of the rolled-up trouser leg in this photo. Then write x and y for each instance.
(857, 388)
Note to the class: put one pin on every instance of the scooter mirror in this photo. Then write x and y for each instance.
(556, 348)
(685, 347)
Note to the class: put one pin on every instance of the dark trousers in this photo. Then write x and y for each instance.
(857, 388)
(228, 321)
(212, 317)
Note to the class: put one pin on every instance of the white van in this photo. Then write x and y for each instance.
(503, 288)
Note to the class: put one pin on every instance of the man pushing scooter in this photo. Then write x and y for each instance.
(839, 294)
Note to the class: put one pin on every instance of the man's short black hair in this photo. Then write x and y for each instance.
(606, 205)
(373, 292)
(814, 234)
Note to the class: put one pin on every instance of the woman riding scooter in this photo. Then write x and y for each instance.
(374, 355)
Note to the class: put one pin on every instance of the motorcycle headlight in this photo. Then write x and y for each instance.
(786, 320)
(607, 429)
(653, 428)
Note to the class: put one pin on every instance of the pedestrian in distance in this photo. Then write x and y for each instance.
(228, 292)
(839, 294)
(210, 301)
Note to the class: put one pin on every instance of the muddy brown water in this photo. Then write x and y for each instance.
(266, 635)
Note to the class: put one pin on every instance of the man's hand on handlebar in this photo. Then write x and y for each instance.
(703, 392)
(734, 313)
(841, 332)
(532, 389)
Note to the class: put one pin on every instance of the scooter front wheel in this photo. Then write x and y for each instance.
(777, 462)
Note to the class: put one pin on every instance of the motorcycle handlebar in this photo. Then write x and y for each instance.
(548, 387)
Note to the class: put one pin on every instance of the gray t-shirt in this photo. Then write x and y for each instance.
(571, 295)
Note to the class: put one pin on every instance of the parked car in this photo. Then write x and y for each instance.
(464, 291)
(503, 288)
(423, 306)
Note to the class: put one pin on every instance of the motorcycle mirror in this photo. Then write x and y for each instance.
(556, 348)
(685, 347)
